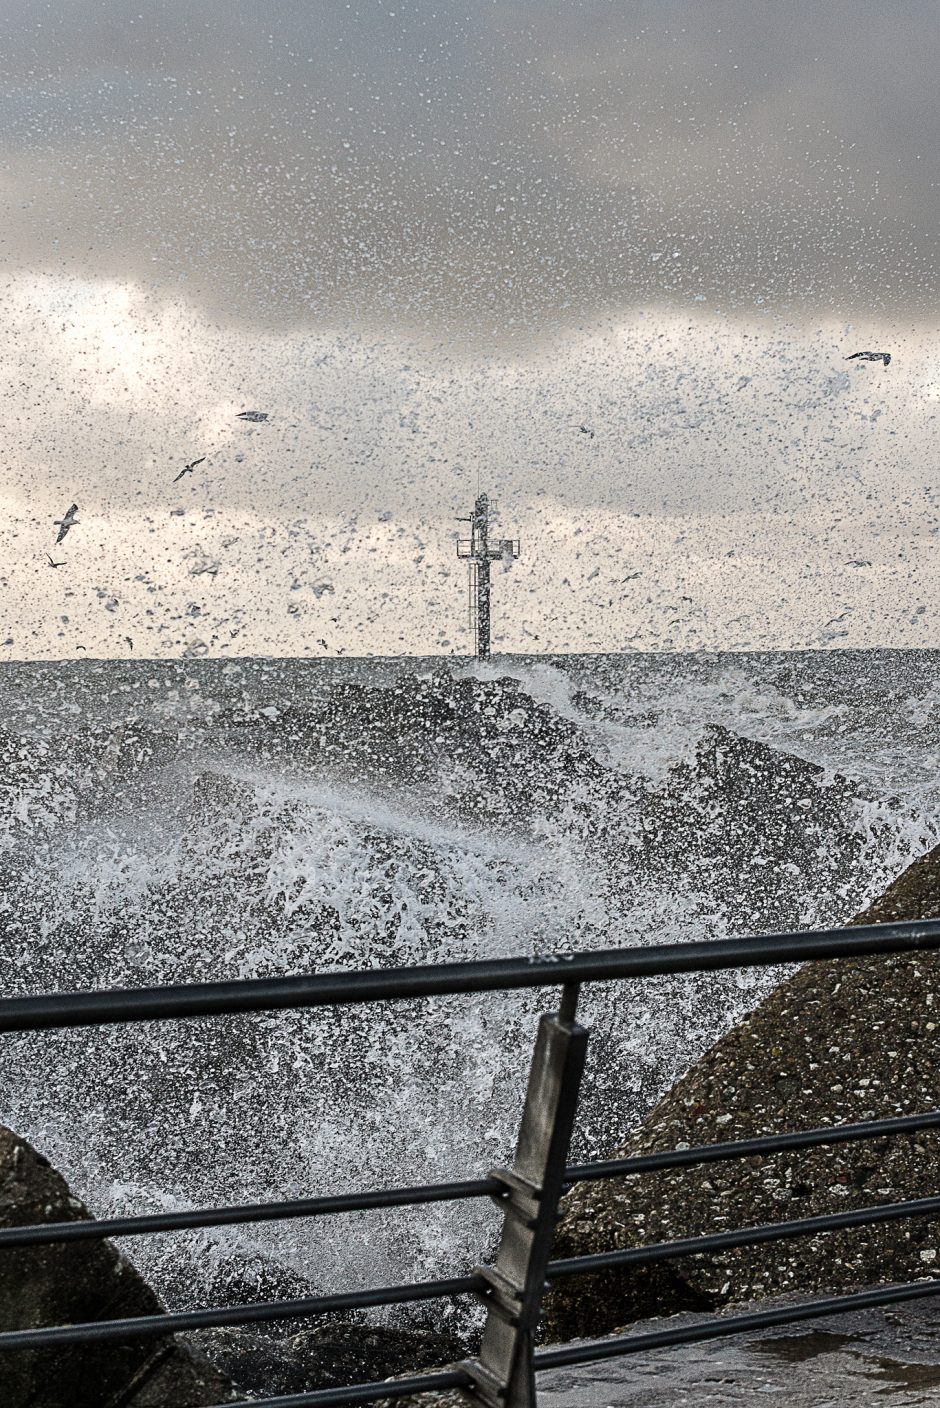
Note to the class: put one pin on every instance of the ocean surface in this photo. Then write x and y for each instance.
(206, 819)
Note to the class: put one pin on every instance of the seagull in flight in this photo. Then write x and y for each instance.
(884, 357)
(67, 522)
(252, 415)
(55, 564)
(188, 469)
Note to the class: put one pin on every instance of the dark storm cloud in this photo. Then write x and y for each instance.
(477, 167)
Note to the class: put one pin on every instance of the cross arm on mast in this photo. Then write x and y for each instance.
(479, 553)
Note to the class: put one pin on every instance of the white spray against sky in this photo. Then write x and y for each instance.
(742, 488)
(432, 242)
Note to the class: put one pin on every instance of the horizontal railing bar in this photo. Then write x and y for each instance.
(719, 1326)
(364, 1393)
(83, 1009)
(148, 1223)
(744, 1237)
(155, 1326)
(745, 1148)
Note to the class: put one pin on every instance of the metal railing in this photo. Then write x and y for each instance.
(503, 1373)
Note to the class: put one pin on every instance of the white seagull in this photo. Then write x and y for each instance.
(188, 468)
(67, 522)
(884, 357)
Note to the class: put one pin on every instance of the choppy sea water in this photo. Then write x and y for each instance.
(205, 819)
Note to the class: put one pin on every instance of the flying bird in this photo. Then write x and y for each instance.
(188, 469)
(252, 415)
(67, 522)
(54, 564)
(884, 357)
(586, 430)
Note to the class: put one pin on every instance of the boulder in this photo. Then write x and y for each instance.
(486, 750)
(329, 1355)
(764, 833)
(838, 1042)
(61, 1283)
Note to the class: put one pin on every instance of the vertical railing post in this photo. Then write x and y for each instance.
(502, 1374)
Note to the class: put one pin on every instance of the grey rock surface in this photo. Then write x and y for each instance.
(327, 1355)
(838, 1042)
(62, 1283)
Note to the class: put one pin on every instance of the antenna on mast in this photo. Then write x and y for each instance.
(479, 552)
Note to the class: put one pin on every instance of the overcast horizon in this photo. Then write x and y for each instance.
(431, 243)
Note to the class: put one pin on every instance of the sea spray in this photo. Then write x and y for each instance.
(204, 820)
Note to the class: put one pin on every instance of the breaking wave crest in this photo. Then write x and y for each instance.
(271, 821)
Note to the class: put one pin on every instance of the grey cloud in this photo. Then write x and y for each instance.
(478, 168)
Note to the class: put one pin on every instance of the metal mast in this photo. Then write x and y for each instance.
(479, 553)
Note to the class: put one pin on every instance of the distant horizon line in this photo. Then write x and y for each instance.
(472, 659)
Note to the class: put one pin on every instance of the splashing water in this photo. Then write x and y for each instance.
(209, 821)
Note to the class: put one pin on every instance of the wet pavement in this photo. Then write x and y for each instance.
(889, 1356)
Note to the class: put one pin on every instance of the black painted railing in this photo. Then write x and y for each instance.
(503, 1374)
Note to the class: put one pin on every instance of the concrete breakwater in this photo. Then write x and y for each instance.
(838, 1042)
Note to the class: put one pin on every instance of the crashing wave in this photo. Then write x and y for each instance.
(405, 819)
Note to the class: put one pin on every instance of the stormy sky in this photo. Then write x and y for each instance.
(431, 241)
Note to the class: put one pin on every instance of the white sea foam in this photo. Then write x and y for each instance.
(286, 867)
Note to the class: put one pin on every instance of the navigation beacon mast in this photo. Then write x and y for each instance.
(479, 553)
